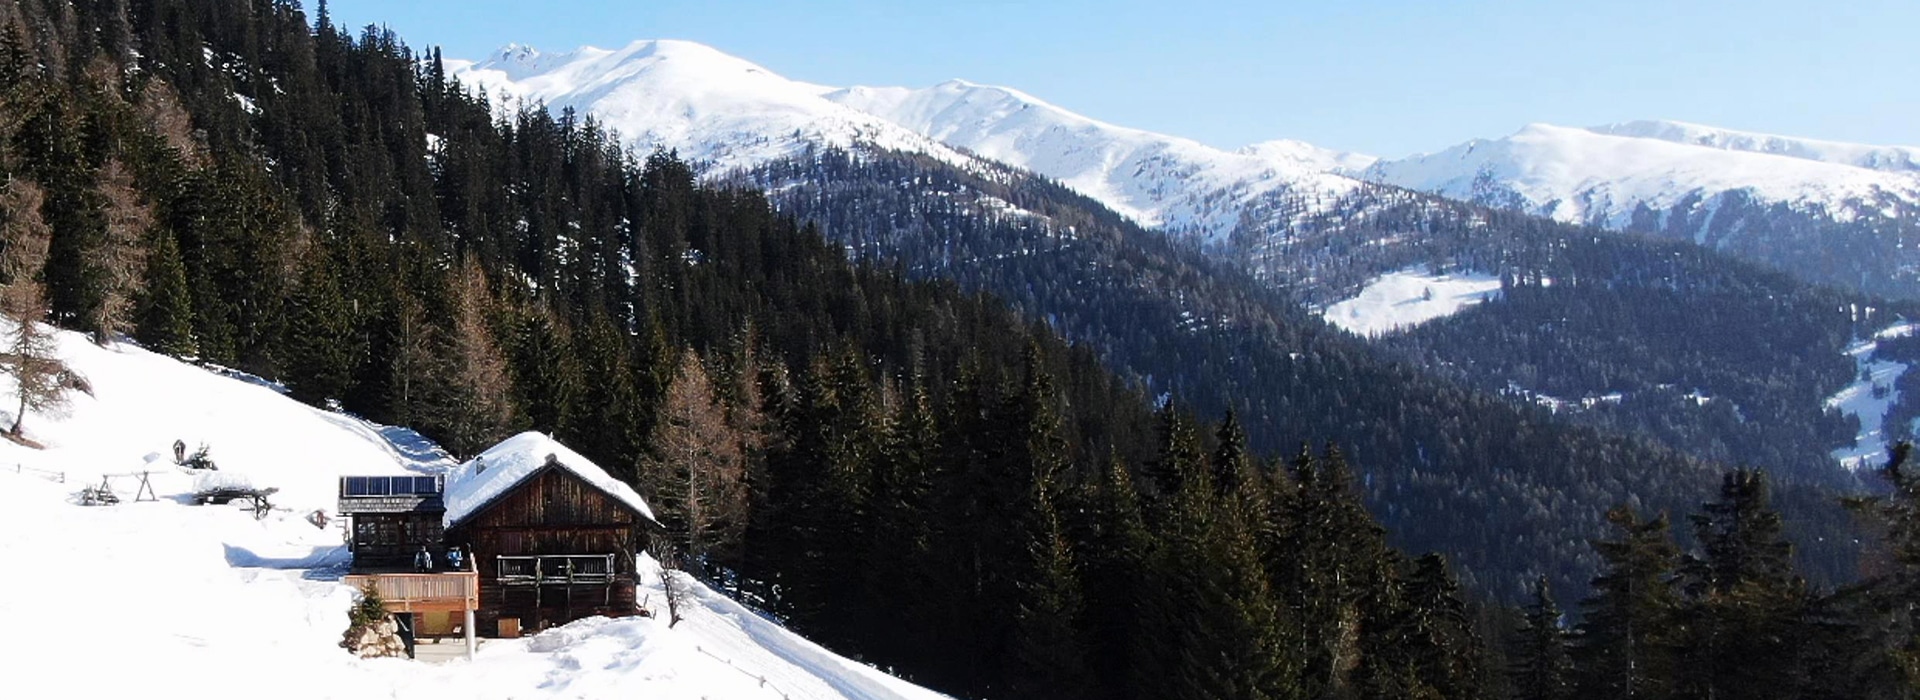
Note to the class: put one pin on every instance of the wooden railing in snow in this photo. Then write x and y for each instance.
(451, 591)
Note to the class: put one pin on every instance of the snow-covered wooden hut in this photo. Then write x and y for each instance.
(552, 536)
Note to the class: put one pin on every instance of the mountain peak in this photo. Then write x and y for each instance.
(716, 109)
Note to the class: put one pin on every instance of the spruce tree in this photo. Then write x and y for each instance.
(1048, 656)
(1625, 644)
(165, 313)
(1744, 605)
(322, 353)
(1541, 668)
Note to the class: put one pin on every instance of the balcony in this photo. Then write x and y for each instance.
(555, 569)
(451, 591)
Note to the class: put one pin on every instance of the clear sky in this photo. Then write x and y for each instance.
(1386, 77)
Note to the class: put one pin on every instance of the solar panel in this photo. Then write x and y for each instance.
(369, 486)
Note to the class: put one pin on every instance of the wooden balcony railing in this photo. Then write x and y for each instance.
(555, 569)
(451, 591)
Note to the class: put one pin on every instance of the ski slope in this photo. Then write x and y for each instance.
(166, 599)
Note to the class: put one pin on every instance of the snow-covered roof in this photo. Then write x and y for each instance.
(471, 486)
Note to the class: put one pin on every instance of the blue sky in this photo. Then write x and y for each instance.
(1387, 77)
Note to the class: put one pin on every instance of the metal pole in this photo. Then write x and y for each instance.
(471, 642)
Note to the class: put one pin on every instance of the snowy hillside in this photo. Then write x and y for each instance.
(1272, 205)
(165, 599)
(1409, 298)
(1155, 179)
(730, 113)
(711, 107)
(1889, 158)
(1605, 175)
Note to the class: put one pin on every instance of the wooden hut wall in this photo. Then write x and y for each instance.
(553, 511)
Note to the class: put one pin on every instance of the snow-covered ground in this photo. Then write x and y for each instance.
(166, 599)
(1409, 298)
(1868, 398)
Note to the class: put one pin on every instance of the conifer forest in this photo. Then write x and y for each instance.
(978, 470)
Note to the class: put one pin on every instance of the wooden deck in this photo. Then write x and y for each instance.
(450, 591)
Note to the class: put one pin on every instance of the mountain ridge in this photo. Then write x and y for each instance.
(1777, 199)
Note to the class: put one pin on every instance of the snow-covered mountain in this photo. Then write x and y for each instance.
(1155, 179)
(1617, 176)
(1889, 158)
(712, 107)
(158, 597)
(1838, 210)
(730, 113)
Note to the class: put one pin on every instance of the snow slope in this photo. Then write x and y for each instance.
(1869, 397)
(1889, 158)
(729, 113)
(712, 107)
(1409, 298)
(1155, 179)
(165, 599)
(1603, 175)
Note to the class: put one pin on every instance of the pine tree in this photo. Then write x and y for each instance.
(321, 354)
(1333, 558)
(1048, 656)
(546, 373)
(606, 427)
(1541, 668)
(166, 305)
(1218, 628)
(1624, 648)
(1882, 658)
(1443, 650)
(1118, 589)
(1744, 604)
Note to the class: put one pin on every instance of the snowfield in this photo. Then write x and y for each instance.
(1408, 298)
(162, 598)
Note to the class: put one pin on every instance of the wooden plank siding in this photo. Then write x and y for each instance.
(454, 591)
(552, 511)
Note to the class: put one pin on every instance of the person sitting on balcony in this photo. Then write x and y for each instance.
(423, 560)
(455, 559)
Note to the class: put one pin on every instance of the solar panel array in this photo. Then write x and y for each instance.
(357, 486)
